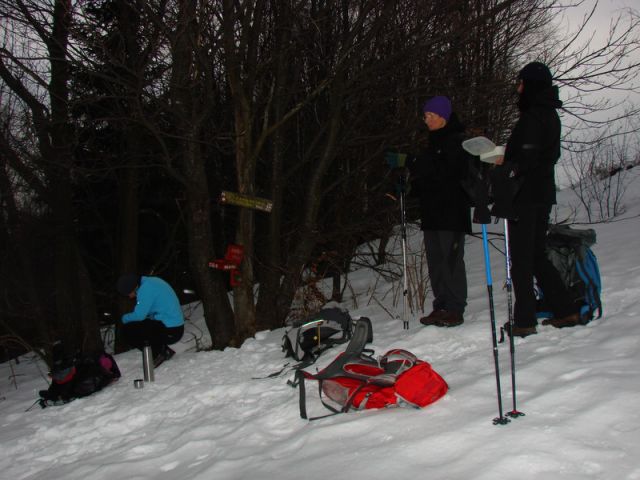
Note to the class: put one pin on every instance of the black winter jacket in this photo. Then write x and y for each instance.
(532, 152)
(437, 175)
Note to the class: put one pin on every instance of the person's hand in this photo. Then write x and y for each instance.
(482, 215)
(504, 187)
(499, 160)
(400, 176)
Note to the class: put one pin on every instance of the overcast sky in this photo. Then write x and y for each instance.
(598, 30)
(599, 26)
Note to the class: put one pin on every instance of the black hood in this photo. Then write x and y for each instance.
(545, 97)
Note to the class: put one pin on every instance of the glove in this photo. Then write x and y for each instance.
(482, 215)
(395, 160)
(477, 188)
(400, 177)
(504, 188)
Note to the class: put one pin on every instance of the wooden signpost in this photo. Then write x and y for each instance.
(235, 253)
(247, 201)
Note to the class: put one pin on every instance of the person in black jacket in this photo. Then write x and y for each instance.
(524, 192)
(444, 209)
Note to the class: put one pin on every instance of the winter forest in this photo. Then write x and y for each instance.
(123, 121)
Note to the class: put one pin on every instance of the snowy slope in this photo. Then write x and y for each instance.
(206, 418)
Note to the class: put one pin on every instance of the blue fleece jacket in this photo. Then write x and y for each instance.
(155, 299)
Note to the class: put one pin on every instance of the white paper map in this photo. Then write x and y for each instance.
(483, 148)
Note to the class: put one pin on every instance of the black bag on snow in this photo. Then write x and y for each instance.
(78, 376)
(569, 251)
(307, 338)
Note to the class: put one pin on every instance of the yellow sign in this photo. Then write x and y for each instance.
(247, 201)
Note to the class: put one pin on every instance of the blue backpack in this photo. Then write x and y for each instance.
(570, 252)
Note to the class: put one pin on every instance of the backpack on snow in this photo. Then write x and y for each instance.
(357, 380)
(307, 338)
(569, 251)
(78, 376)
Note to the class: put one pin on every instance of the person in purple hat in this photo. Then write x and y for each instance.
(445, 210)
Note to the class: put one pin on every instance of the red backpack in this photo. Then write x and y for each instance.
(355, 379)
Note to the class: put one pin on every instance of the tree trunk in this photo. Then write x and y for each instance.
(241, 61)
(211, 286)
(308, 234)
(76, 313)
(189, 99)
(243, 294)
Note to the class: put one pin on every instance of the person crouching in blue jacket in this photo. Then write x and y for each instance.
(157, 318)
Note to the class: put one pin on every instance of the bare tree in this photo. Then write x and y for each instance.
(600, 178)
(291, 100)
(597, 74)
(42, 86)
(191, 90)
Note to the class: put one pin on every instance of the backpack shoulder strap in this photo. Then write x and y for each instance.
(362, 334)
(355, 351)
(397, 361)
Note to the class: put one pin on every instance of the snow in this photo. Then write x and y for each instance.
(206, 417)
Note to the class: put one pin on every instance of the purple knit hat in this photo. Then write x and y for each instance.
(439, 105)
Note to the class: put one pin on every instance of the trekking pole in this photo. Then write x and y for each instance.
(500, 420)
(512, 350)
(403, 231)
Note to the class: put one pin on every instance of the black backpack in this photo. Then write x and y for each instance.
(78, 376)
(570, 252)
(307, 338)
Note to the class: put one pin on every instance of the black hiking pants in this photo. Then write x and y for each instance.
(151, 332)
(445, 261)
(527, 241)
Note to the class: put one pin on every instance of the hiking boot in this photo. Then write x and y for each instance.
(450, 319)
(519, 331)
(568, 321)
(163, 356)
(159, 359)
(168, 352)
(432, 318)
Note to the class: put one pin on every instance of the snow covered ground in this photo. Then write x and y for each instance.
(206, 418)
